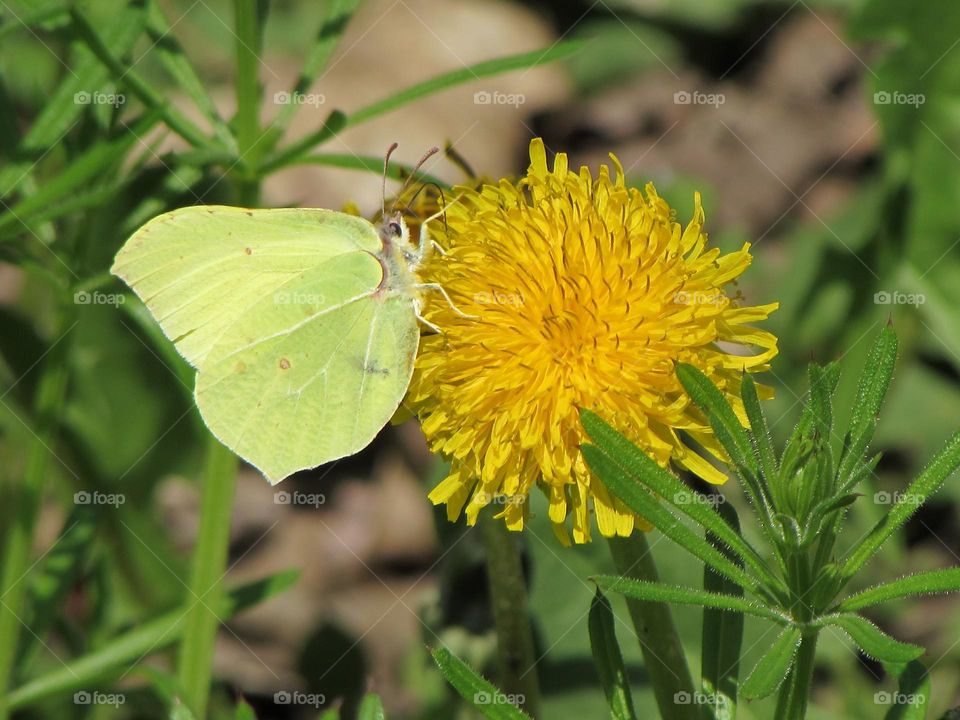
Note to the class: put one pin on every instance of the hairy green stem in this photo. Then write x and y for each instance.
(508, 596)
(206, 592)
(663, 656)
(795, 691)
(50, 395)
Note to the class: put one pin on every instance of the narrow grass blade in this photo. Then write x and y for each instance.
(481, 694)
(87, 75)
(671, 488)
(243, 711)
(170, 691)
(638, 499)
(174, 60)
(368, 163)
(153, 99)
(875, 379)
(925, 583)
(929, 481)
(335, 21)
(674, 594)
(912, 699)
(53, 578)
(709, 399)
(371, 708)
(722, 635)
(608, 659)
(523, 61)
(85, 168)
(872, 640)
(113, 659)
(296, 151)
(760, 433)
(773, 667)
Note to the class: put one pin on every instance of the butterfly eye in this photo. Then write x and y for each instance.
(395, 228)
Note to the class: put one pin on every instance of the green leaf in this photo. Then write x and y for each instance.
(608, 659)
(773, 666)
(674, 594)
(54, 577)
(722, 635)
(924, 583)
(929, 481)
(61, 110)
(638, 499)
(871, 639)
(912, 699)
(481, 694)
(371, 708)
(115, 657)
(522, 61)
(665, 484)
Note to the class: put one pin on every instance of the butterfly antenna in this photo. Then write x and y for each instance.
(383, 188)
(426, 156)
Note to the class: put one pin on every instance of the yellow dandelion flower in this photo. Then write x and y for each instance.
(584, 293)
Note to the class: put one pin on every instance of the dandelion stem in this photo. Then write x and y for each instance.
(663, 654)
(508, 596)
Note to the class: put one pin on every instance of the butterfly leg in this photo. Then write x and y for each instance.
(439, 288)
(421, 318)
